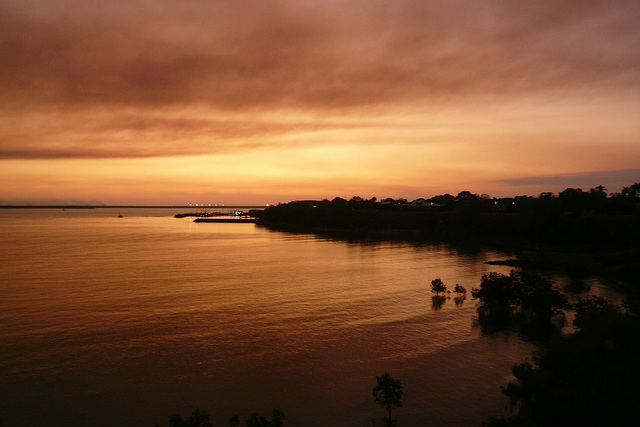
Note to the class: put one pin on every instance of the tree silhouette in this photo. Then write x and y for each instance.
(437, 286)
(496, 291)
(459, 289)
(257, 420)
(197, 419)
(388, 393)
(588, 378)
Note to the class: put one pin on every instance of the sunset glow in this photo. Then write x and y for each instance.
(253, 102)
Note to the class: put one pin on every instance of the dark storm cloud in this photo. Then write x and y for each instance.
(251, 56)
(83, 62)
(352, 54)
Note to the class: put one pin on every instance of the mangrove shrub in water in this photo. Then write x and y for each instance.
(586, 378)
(388, 393)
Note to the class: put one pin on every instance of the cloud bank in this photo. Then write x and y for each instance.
(87, 79)
(314, 55)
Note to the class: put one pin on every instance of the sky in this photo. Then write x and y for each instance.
(255, 102)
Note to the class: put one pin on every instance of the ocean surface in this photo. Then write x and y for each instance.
(108, 321)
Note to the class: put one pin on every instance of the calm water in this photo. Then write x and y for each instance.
(124, 321)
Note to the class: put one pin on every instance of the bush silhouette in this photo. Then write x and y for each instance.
(437, 286)
(388, 393)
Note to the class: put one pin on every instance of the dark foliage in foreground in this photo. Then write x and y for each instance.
(197, 419)
(257, 420)
(523, 294)
(587, 378)
(201, 419)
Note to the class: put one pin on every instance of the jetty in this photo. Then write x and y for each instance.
(227, 220)
(237, 216)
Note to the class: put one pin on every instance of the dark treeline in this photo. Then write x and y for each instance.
(201, 419)
(589, 219)
(574, 229)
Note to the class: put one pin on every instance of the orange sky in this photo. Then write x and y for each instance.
(255, 102)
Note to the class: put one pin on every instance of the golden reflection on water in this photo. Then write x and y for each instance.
(124, 321)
